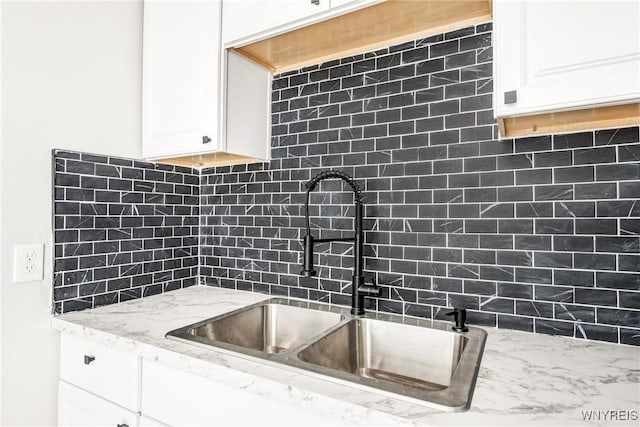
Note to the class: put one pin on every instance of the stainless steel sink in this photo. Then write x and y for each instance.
(414, 358)
(406, 357)
(404, 354)
(275, 326)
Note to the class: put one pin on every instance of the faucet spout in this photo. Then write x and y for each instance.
(359, 289)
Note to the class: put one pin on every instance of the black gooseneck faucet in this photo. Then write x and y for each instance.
(358, 290)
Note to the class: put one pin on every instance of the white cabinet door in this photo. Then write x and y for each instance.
(244, 18)
(553, 55)
(181, 77)
(77, 407)
(248, 108)
(180, 398)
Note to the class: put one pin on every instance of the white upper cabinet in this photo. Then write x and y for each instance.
(247, 108)
(181, 77)
(244, 18)
(564, 55)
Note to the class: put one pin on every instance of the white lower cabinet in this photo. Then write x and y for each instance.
(77, 407)
(175, 397)
(100, 386)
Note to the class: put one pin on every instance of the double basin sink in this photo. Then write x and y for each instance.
(407, 357)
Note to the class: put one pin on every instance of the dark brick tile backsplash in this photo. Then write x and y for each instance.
(123, 229)
(539, 234)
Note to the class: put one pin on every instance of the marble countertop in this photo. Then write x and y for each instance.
(525, 379)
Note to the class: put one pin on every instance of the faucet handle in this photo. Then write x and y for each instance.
(370, 290)
(460, 317)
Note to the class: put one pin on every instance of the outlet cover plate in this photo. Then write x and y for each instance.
(28, 262)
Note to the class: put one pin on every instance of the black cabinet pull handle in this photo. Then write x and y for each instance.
(316, 2)
(88, 359)
(511, 97)
(206, 139)
(123, 425)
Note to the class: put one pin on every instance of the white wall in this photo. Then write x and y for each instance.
(71, 78)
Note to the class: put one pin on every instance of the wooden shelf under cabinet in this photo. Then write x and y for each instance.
(381, 25)
(570, 121)
(209, 160)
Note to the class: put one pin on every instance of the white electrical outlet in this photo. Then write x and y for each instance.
(28, 262)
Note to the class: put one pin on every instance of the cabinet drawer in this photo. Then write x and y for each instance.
(111, 374)
(77, 407)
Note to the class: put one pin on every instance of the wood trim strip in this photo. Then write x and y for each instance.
(570, 121)
(258, 61)
(208, 160)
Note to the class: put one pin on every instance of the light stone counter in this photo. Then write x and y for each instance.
(525, 379)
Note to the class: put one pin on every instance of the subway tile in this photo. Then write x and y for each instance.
(575, 209)
(534, 210)
(629, 263)
(628, 281)
(533, 275)
(516, 323)
(618, 317)
(537, 309)
(515, 161)
(554, 293)
(554, 226)
(629, 190)
(629, 153)
(475, 42)
(553, 260)
(515, 290)
(533, 177)
(594, 155)
(630, 300)
(596, 226)
(594, 261)
(596, 332)
(573, 174)
(617, 136)
(618, 172)
(595, 191)
(497, 305)
(554, 192)
(596, 297)
(535, 143)
(442, 78)
(552, 327)
(573, 140)
(532, 242)
(553, 158)
(630, 336)
(618, 208)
